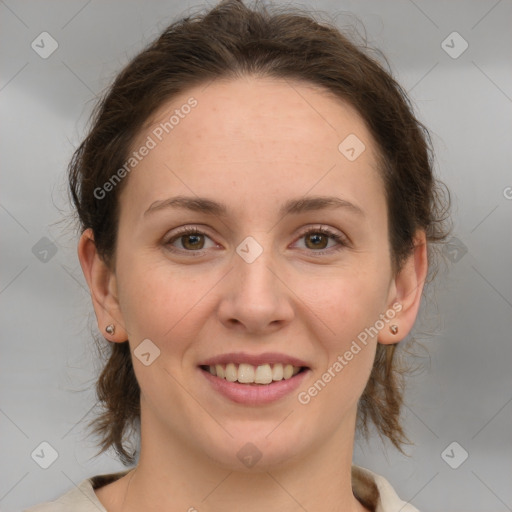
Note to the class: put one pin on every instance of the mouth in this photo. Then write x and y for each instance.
(254, 380)
(245, 373)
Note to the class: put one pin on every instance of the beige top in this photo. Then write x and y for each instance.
(372, 490)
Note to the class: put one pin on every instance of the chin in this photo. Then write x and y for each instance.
(252, 451)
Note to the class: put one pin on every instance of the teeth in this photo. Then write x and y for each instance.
(277, 372)
(263, 374)
(231, 372)
(219, 369)
(246, 373)
(249, 374)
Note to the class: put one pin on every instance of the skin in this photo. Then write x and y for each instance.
(251, 143)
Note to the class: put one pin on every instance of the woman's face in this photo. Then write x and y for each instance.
(257, 286)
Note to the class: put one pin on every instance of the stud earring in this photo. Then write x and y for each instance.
(393, 329)
(110, 329)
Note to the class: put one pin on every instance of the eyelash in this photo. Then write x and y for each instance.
(340, 239)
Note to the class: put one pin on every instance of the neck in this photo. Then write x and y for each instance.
(171, 476)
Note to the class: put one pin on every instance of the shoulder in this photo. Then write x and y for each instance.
(373, 490)
(81, 498)
(376, 493)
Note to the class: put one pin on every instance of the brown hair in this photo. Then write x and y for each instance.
(230, 41)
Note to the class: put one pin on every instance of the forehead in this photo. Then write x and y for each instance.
(254, 133)
(282, 113)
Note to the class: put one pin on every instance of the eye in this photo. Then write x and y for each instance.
(317, 240)
(191, 240)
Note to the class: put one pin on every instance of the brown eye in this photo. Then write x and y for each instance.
(188, 240)
(192, 241)
(318, 240)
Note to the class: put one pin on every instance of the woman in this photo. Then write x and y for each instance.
(257, 207)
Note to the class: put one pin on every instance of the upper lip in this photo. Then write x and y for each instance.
(253, 359)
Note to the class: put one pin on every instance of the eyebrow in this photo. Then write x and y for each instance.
(292, 206)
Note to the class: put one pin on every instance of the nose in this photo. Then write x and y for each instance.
(255, 297)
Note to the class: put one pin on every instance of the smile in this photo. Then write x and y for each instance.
(250, 374)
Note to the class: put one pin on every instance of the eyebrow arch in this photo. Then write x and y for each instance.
(293, 206)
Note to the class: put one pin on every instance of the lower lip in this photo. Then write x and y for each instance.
(255, 394)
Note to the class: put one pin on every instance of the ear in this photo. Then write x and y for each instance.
(103, 287)
(405, 292)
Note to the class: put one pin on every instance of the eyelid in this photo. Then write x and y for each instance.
(326, 230)
(339, 237)
(186, 230)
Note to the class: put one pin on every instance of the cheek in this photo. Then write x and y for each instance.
(157, 306)
(152, 300)
(346, 302)
(349, 309)
(162, 304)
(349, 306)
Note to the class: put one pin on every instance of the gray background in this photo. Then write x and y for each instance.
(48, 361)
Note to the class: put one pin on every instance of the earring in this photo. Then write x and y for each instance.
(393, 329)
(110, 329)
